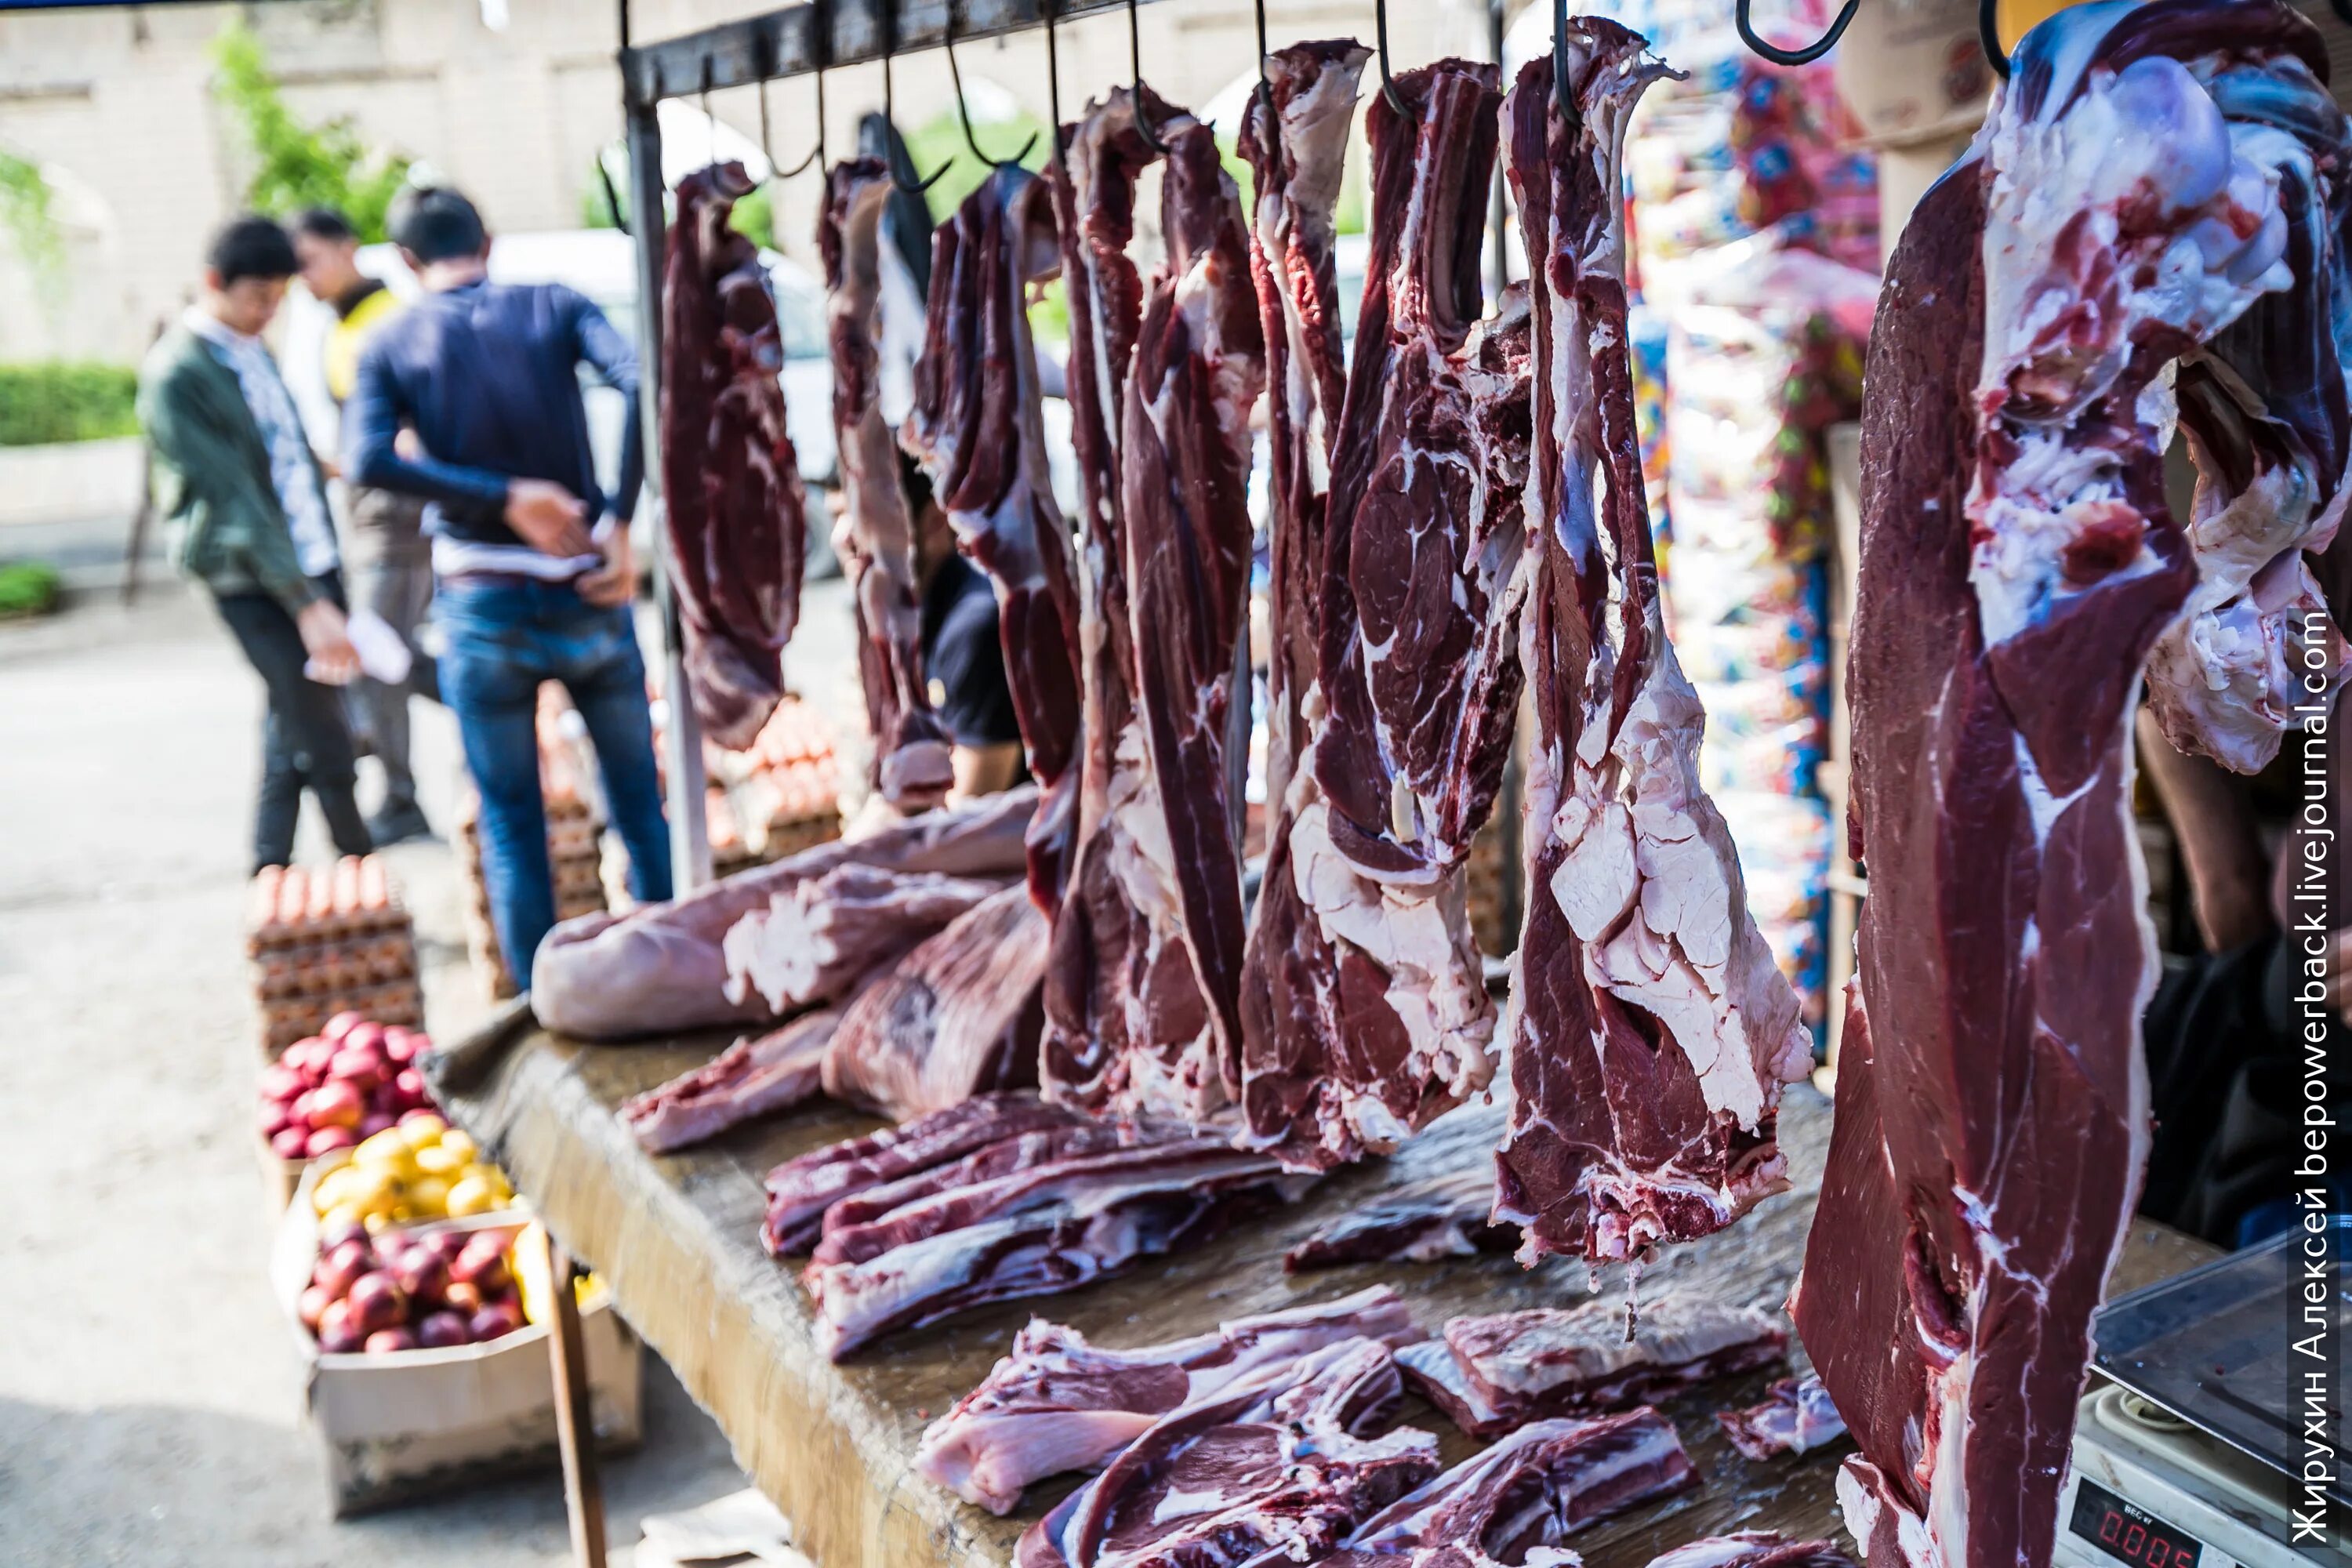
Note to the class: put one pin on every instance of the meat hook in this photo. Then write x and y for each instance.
(1988, 32)
(1380, 36)
(709, 124)
(955, 74)
(1265, 86)
(1143, 126)
(1811, 52)
(1052, 81)
(920, 182)
(1563, 92)
(824, 54)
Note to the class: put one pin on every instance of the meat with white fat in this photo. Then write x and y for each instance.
(757, 1076)
(1795, 1417)
(816, 938)
(1753, 1548)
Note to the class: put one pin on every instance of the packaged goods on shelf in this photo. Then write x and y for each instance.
(330, 940)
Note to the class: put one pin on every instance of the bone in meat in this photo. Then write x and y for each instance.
(1795, 1417)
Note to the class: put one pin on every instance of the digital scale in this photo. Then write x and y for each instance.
(2189, 1446)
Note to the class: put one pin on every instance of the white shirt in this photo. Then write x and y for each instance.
(292, 470)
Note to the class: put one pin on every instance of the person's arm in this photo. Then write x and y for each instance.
(616, 360)
(2229, 873)
(246, 520)
(546, 515)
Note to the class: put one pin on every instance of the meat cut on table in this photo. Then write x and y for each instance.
(2146, 180)
(1143, 994)
(1753, 1548)
(1517, 1501)
(1058, 1404)
(818, 938)
(1491, 1374)
(911, 767)
(738, 527)
(1437, 1201)
(1650, 1031)
(1364, 1007)
(957, 1016)
(1295, 138)
(1795, 1417)
(978, 428)
(1279, 1466)
(757, 1076)
(662, 967)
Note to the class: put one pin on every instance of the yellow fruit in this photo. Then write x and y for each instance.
(375, 1222)
(429, 1197)
(458, 1142)
(335, 1188)
(422, 1132)
(471, 1195)
(404, 1212)
(341, 1215)
(440, 1160)
(387, 1148)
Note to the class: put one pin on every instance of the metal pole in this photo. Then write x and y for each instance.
(1498, 212)
(690, 836)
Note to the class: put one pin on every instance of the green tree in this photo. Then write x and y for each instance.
(298, 166)
(29, 223)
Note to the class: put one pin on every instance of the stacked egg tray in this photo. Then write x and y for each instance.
(574, 855)
(327, 940)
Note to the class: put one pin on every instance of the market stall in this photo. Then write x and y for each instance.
(675, 1239)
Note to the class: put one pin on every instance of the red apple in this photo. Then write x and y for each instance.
(483, 1263)
(400, 1045)
(441, 1330)
(340, 1265)
(313, 1305)
(280, 1082)
(387, 1341)
(341, 1025)
(338, 1335)
(362, 1070)
(377, 1302)
(497, 1318)
(374, 1123)
(327, 1140)
(449, 1243)
(422, 1273)
(291, 1141)
(273, 1117)
(462, 1298)
(336, 1104)
(367, 1037)
(409, 1085)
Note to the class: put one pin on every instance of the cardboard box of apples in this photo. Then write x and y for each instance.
(426, 1353)
(334, 1090)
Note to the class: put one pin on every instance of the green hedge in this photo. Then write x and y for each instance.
(61, 400)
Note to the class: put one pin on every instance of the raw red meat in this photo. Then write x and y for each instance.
(661, 968)
(911, 767)
(1518, 1501)
(1058, 1404)
(978, 430)
(1037, 1232)
(1294, 137)
(1364, 1008)
(1022, 1151)
(815, 939)
(1494, 1374)
(738, 527)
(1795, 1417)
(1434, 1204)
(1753, 1548)
(2130, 197)
(1650, 1030)
(754, 1077)
(1149, 942)
(800, 1190)
(958, 1016)
(1276, 1468)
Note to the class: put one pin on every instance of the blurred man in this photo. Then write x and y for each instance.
(391, 571)
(532, 559)
(248, 505)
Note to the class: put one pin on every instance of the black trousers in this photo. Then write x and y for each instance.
(306, 742)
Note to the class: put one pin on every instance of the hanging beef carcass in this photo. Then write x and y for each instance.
(1364, 1010)
(730, 482)
(2148, 176)
(1650, 1031)
(1142, 992)
(978, 429)
(911, 767)
(1294, 137)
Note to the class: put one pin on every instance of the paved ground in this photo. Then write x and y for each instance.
(150, 1407)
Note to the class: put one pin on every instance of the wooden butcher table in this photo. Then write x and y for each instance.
(676, 1239)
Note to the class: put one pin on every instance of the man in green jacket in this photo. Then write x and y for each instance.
(249, 510)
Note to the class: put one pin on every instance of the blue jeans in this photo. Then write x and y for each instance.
(504, 637)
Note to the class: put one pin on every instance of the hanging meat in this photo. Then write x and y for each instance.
(2148, 176)
(1294, 137)
(978, 430)
(911, 768)
(1364, 1010)
(1650, 1030)
(730, 483)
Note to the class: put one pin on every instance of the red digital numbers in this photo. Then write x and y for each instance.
(2127, 1534)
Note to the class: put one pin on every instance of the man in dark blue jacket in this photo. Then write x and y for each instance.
(531, 559)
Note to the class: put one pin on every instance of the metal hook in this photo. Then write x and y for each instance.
(825, 53)
(963, 111)
(1811, 52)
(890, 120)
(1563, 92)
(1380, 36)
(709, 125)
(1263, 54)
(1053, 81)
(1143, 127)
(1988, 33)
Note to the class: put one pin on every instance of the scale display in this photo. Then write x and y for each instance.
(2130, 1534)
